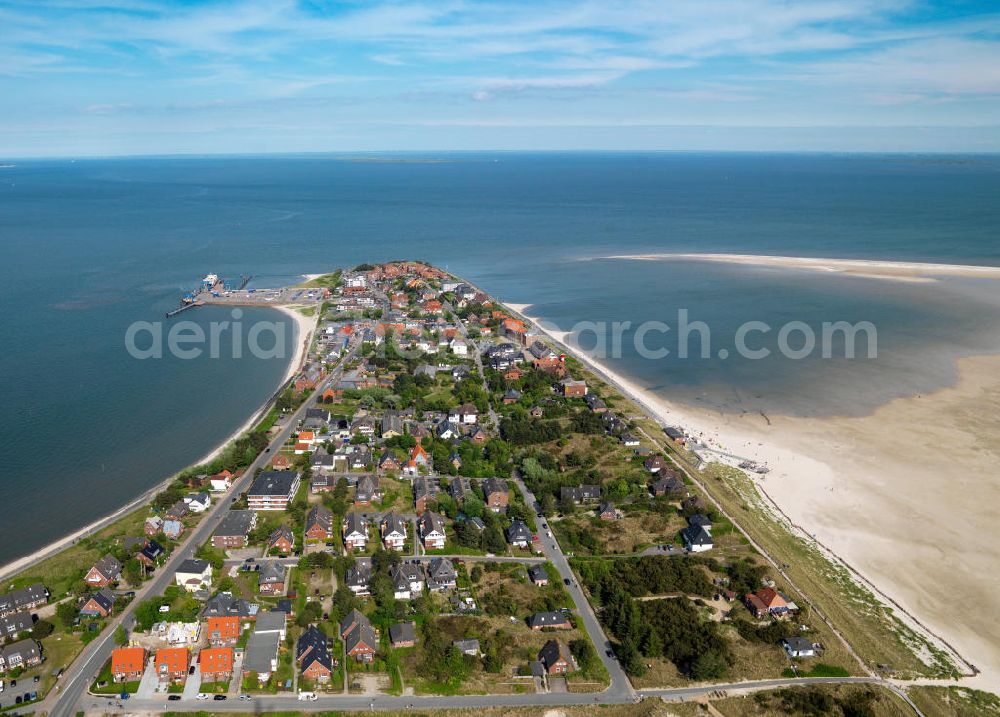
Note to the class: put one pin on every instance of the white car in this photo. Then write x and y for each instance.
(307, 696)
(202, 696)
(1, 685)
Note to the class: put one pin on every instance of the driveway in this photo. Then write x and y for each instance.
(193, 685)
(148, 683)
(234, 683)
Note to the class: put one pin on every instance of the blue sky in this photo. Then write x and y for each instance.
(95, 77)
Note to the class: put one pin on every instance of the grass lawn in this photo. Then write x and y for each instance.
(955, 702)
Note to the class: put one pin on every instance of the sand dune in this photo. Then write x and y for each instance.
(892, 270)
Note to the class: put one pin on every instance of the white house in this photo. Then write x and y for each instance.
(798, 647)
(432, 530)
(194, 574)
(459, 347)
(220, 483)
(198, 502)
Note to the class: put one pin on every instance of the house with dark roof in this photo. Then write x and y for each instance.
(273, 490)
(393, 531)
(425, 489)
(403, 634)
(104, 572)
(459, 488)
(586, 493)
(668, 484)
(361, 642)
(441, 574)
(519, 534)
(281, 540)
(468, 646)
(697, 538)
(14, 624)
(538, 575)
(99, 604)
(312, 653)
(358, 577)
(271, 578)
(407, 579)
(194, 574)
(367, 490)
(26, 598)
(319, 523)
(797, 646)
(354, 531)
(224, 604)
(554, 620)
(556, 658)
(496, 494)
(24, 654)
(432, 530)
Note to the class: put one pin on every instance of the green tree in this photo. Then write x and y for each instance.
(132, 570)
(121, 637)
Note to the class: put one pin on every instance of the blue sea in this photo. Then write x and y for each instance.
(89, 247)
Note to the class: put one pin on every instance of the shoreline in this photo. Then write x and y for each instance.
(841, 496)
(305, 327)
(913, 272)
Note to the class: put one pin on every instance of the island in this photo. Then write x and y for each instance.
(444, 508)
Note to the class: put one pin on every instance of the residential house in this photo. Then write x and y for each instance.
(223, 631)
(403, 634)
(358, 577)
(425, 489)
(796, 646)
(354, 531)
(234, 529)
(177, 633)
(554, 620)
(348, 622)
(468, 646)
(26, 598)
(676, 435)
(496, 494)
(15, 624)
(150, 553)
(668, 484)
(171, 665)
(459, 487)
(519, 534)
(104, 572)
(655, 463)
(281, 462)
(607, 511)
(361, 642)
(367, 490)
(766, 602)
(571, 388)
(595, 404)
(194, 574)
(225, 605)
(697, 538)
(273, 490)
(282, 540)
(319, 523)
(153, 525)
(128, 664)
(432, 530)
(419, 460)
(393, 531)
(271, 578)
(407, 579)
(216, 664)
(177, 511)
(392, 425)
(556, 658)
(198, 502)
(173, 528)
(312, 653)
(272, 621)
(388, 462)
(467, 414)
(261, 655)
(586, 493)
(220, 482)
(511, 396)
(99, 604)
(441, 574)
(321, 463)
(538, 575)
(23, 654)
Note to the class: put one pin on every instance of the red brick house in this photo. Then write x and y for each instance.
(319, 523)
(172, 664)
(223, 631)
(556, 658)
(128, 664)
(281, 540)
(216, 664)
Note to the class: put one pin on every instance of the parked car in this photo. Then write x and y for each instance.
(173, 698)
(219, 698)
(202, 696)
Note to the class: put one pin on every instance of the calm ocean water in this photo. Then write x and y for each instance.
(88, 247)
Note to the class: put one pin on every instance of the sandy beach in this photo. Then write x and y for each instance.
(907, 495)
(305, 326)
(891, 270)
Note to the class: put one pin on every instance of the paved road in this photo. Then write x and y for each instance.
(88, 664)
(620, 689)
